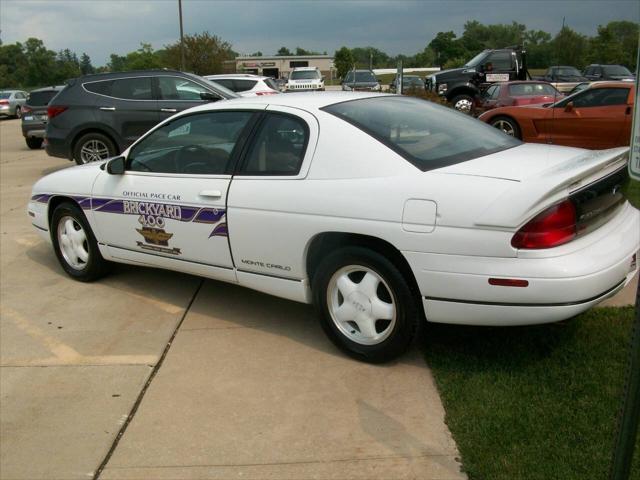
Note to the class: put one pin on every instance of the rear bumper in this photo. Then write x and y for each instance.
(566, 281)
(33, 131)
(56, 147)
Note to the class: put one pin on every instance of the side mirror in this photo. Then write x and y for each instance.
(115, 166)
(209, 97)
(568, 107)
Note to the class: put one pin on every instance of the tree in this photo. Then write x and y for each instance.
(145, 58)
(204, 54)
(284, 52)
(616, 43)
(256, 54)
(569, 48)
(343, 61)
(13, 64)
(117, 63)
(85, 64)
(446, 47)
(362, 56)
(67, 66)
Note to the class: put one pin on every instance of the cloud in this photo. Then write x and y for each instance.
(101, 27)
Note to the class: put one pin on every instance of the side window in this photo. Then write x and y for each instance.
(225, 82)
(244, 85)
(201, 143)
(138, 88)
(589, 71)
(19, 95)
(349, 78)
(600, 97)
(492, 92)
(176, 88)
(101, 88)
(278, 148)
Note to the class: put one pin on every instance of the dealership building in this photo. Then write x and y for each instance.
(281, 67)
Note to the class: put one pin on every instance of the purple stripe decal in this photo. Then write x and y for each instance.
(42, 198)
(209, 215)
(220, 230)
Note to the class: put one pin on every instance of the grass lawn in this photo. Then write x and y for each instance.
(534, 402)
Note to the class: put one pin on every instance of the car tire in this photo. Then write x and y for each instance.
(18, 112)
(463, 103)
(34, 143)
(365, 304)
(93, 147)
(75, 245)
(508, 125)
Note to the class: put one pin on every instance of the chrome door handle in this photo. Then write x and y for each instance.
(211, 193)
(169, 110)
(108, 109)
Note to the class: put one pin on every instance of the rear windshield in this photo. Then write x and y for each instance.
(305, 75)
(426, 134)
(568, 71)
(524, 89)
(42, 97)
(271, 83)
(5, 94)
(617, 70)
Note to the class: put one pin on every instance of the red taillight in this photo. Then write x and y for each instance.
(266, 93)
(55, 111)
(553, 227)
(26, 109)
(4, 102)
(508, 282)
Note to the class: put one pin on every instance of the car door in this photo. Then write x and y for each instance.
(595, 120)
(126, 105)
(267, 235)
(176, 94)
(168, 208)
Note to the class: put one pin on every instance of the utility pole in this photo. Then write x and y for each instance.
(370, 60)
(182, 67)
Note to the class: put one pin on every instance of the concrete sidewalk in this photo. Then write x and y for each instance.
(251, 388)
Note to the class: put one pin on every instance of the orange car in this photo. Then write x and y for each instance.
(596, 118)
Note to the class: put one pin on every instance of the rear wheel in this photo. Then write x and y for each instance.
(34, 143)
(507, 125)
(93, 147)
(18, 112)
(366, 306)
(75, 244)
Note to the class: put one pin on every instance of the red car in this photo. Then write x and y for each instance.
(517, 93)
(598, 117)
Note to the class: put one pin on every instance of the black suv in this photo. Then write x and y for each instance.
(98, 116)
(608, 72)
(34, 115)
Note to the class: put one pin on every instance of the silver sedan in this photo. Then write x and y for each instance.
(12, 102)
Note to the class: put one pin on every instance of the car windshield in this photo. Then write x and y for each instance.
(5, 94)
(477, 60)
(525, 89)
(271, 83)
(414, 81)
(568, 71)
(367, 77)
(424, 133)
(305, 75)
(617, 70)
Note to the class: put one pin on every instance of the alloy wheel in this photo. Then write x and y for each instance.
(93, 150)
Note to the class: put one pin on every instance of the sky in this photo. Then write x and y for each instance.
(102, 27)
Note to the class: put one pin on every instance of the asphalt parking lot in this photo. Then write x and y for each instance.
(209, 379)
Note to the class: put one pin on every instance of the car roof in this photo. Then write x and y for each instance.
(309, 101)
(46, 89)
(612, 83)
(304, 68)
(234, 76)
(132, 73)
(11, 91)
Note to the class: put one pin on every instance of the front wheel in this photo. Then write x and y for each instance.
(365, 304)
(463, 103)
(75, 244)
(507, 125)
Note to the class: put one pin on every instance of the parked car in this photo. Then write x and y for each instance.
(563, 78)
(246, 85)
(361, 80)
(304, 79)
(598, 117)
(462, 86)
(99, 116)
(11, 103)
(34, 115)
(516, 93)
(409, 82)
(381, 209)
(609, 72)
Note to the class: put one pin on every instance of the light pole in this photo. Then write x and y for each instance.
(181, 37)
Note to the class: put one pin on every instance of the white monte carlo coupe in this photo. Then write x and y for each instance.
(383, 210)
